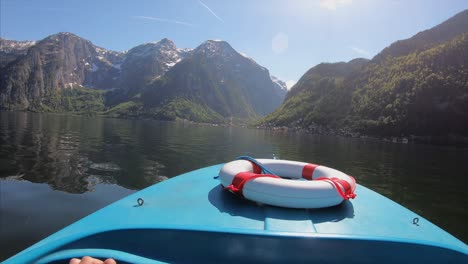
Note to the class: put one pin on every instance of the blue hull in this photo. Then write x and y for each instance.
(191, 219)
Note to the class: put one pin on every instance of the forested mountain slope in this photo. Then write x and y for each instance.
(417, 86)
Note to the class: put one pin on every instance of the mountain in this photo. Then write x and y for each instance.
(439, 34)
(144, 63)
(212, 83)
(319, 97)
(417, 86)
(422, 93)
(280, 86)
(56, 63)
(66, 73)
(10, 50)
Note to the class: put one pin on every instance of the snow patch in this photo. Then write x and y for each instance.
(282, 85)
(184, 50)
(290, 83)
(246, 56)
(100, 50)
(8, 46)
(94, 68)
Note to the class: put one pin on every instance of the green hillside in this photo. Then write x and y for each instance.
(422, 93)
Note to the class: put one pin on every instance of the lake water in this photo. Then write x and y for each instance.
(56, 169)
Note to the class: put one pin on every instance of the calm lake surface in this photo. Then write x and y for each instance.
(56, 169)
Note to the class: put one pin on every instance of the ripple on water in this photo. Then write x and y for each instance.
(107, 167)
(152, 171)
(93, 180)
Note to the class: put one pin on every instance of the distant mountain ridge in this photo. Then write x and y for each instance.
(221, 85)
(281, 85)
(319, 97)
(439, 34)
(12, 49)
(54, 74)
(417, 86)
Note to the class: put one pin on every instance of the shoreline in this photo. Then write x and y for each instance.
(446, 140)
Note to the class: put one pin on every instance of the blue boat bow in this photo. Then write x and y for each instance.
(190, 218)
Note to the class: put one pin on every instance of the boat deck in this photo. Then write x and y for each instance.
(190, 218)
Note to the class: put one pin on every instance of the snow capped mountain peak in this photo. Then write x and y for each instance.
(281, 85)
(165, 47)
(211, 48)
(64, 36)
(163, 43)
(216, 43)
(148, 61)
(166, 41)
(223, 53)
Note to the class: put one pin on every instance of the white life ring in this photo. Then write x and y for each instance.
(322, 187)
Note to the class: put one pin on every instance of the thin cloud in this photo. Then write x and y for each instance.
(211, 11)
(170, 21)
(361, 51)
(334, 4)
(52, 8)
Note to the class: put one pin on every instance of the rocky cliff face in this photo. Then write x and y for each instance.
(57, 62)
(158, 79)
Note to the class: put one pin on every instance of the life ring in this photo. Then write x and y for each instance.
(322, 186)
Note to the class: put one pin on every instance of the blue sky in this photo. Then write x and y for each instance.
(287, 37)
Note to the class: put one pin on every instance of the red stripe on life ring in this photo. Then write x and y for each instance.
(242, 178)
(308, 170)
(256, 168)
(340, 183)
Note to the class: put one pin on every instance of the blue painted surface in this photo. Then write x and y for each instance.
(190, 218)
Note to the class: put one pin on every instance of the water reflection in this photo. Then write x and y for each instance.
(72, 153)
